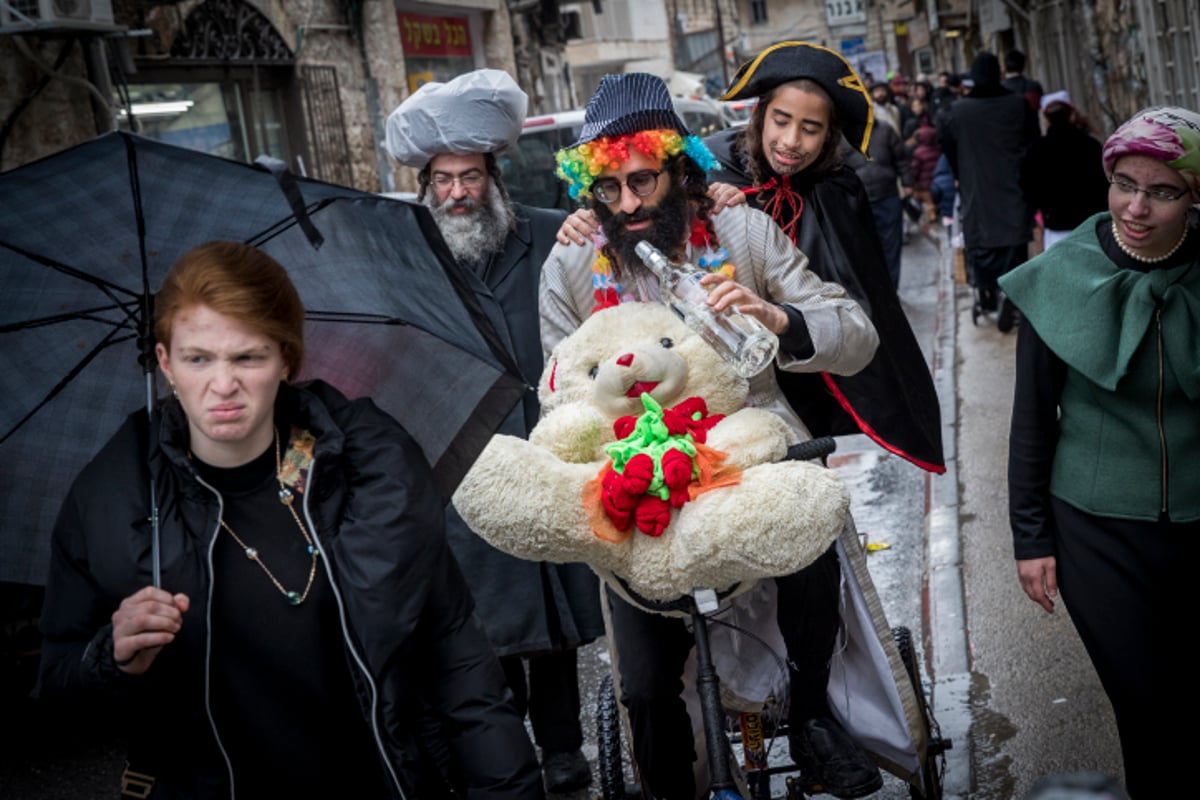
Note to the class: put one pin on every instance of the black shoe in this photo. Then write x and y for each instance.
(987, 299)
(826, 752)
(1007, 317)
(565, 771)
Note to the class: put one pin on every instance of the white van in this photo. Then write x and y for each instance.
(528, 167)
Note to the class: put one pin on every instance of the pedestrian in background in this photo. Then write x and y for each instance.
(313, 625)
(948, 92)
(987, 137)
(919, 116)
(925, 159)
(944, 192)
(1016, 82)
(1104, 482)
(886, 175)
(887, 110)
(535, 614)
(1063, 174)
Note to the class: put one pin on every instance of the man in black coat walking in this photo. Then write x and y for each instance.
(534, 614)
(987, 137)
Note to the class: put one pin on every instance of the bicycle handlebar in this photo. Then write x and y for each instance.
(813, 448)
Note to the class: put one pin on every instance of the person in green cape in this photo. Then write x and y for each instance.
(1104, 482)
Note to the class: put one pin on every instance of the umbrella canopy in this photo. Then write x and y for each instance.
(87, 236)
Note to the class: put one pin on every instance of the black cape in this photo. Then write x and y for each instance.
(892, 400)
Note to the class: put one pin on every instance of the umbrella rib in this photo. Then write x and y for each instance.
(353, 316)
(105, 343)
(106, 286)
(90, 314)
(269, 233)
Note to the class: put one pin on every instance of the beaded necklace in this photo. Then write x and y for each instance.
(286, 498)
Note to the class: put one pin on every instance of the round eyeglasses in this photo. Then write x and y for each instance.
(444, 180)
(1157, 195)
(642, 183)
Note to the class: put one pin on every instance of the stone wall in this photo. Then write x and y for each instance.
(40, 115)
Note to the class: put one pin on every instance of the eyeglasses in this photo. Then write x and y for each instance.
(642, 183)
(470, 180)
(1157, 195)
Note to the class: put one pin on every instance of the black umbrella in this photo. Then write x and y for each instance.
(88, 234)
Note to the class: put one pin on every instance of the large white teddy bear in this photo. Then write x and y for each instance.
(648, 467)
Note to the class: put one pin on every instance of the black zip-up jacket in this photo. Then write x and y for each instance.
(415, 652)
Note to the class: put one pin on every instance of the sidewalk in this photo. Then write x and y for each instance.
(914, 514)
(945, 604)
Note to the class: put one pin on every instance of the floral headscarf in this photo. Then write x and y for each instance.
(1168, 133)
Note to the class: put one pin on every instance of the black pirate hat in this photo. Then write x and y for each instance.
(628, 103)
(787, 61)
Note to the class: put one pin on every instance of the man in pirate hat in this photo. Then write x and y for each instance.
(535, 615)
(643, 172)
(785, 161)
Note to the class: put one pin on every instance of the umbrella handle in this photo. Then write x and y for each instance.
(155, 560)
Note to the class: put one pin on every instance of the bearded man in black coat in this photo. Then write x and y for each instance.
(536, 615)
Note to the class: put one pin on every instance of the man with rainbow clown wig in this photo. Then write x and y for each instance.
(642, 171)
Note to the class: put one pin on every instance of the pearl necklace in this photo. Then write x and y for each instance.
(1127, 250)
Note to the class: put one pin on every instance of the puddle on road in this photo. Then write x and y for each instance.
(989, 732)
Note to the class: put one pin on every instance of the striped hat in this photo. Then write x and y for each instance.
(629, 103)
(789, 61)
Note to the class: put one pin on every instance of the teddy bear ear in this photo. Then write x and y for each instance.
(553, 373)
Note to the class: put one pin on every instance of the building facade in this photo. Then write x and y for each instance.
(309, 83)
(312, 83)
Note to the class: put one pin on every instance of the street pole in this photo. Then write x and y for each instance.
(721, 43)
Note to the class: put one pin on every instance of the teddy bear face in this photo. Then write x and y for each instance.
(622, 351)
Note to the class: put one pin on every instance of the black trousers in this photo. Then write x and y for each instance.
(986, 264)
(652, 650)
(550, 695)
(1127, 588)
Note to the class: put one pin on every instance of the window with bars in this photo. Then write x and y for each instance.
(758, 12)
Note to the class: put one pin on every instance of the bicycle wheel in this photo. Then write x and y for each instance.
(933, 764)
(611, 756)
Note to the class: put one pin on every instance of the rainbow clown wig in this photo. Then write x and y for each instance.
(580, 165)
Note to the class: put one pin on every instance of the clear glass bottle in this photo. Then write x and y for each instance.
(740, 339)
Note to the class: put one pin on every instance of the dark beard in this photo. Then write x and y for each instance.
(670, 222)
(474, 237)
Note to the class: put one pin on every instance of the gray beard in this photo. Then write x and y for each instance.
(476, 236)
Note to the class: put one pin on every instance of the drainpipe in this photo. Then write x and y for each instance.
(375, 112)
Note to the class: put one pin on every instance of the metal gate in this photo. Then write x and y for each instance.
(327, 144)
(1172, 45)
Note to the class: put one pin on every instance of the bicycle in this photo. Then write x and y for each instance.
(725, 729)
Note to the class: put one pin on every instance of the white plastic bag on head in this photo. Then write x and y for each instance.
(477, 112)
